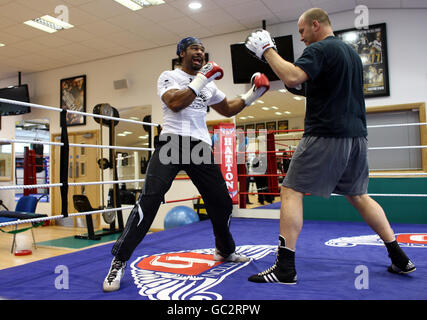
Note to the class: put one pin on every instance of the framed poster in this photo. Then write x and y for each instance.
(271, 125)
(371, 45)
(282, 125)
(73, 97)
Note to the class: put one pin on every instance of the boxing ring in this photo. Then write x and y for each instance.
(177, 264)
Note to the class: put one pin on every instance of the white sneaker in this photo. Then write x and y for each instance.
(234, 257)
(114, 276)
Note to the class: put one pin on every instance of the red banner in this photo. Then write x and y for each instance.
(228, 162)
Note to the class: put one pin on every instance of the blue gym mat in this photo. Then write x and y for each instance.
(334, 261)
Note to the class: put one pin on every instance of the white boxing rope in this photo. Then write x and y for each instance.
(56, 217)
(398, 174)
(2, 141)
(397, 125)
(420, 195)
(398, 147)
(39, 106)
(101, 146)
(71, 184)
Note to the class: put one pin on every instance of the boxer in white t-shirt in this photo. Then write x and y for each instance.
(186, 93)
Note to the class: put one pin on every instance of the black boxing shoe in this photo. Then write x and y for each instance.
(400, 263)
(283, 271)
(275, 274)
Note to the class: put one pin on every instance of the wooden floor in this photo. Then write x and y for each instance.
(45, 233)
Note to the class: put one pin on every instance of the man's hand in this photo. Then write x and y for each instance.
(209, 72)
(260, 85)
(259, 41)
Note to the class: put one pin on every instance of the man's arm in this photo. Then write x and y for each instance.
(260, 85)
(229, 108)
(263, 47)
(176, 99)
(290, 74)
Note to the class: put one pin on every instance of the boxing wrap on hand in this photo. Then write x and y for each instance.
(259, 41)
(210, 71)
(260, 85)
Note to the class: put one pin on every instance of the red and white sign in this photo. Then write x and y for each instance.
(228, 162)
(188, 263)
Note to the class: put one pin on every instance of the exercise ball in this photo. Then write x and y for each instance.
(180, 216)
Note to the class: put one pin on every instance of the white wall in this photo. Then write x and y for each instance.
(407, 70)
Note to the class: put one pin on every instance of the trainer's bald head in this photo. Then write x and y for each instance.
(314, 25)
(317, 14)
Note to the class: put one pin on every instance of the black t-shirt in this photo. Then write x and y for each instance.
(335, 101)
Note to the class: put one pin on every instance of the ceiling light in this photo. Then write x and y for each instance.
(283, 90)
(121, 135)
(57, 22)
(127, 132)
(251, 117)
(143, 137)
(48, 24)
(274, 107)
(2, 44)
(265, 108)
(287, 112)
(298, 98)
(194, 5)
(138, 4)
(260, 101)
(243, 118)
(278, 113)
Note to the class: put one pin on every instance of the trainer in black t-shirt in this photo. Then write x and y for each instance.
(335, 102)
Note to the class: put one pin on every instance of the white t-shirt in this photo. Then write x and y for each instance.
(190, 121)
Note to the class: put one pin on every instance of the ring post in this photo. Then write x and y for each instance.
(64, 157)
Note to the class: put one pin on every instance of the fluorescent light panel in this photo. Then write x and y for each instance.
(57, 22)
(39, 26)
(2, 44)
(48, 24)
(138, 4)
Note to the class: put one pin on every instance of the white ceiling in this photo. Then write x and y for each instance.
(104, 28)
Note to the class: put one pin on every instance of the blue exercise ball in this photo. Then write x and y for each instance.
(179, 216)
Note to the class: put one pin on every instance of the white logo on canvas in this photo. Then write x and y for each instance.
(158, 285)
(372, 240)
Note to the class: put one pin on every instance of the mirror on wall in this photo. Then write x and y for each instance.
(35, 155)
(133, 164)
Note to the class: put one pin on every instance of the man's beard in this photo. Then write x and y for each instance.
(196, 67)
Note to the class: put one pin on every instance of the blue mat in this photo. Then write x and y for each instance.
(177, 264)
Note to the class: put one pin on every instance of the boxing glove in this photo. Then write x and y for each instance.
(210, 71)
(260, 85)
(259, 41)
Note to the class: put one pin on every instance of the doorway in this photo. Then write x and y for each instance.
(82, 167)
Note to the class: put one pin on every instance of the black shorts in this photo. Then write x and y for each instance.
(321, 166)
